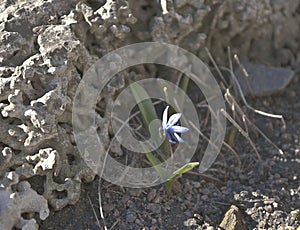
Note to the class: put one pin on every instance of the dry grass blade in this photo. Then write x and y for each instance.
(265, 137)
(243, 132)
(231, 100)
(100, 203)
(245, 74)
(113, 226)
(232, 75)
(94, 211)
(236, 109)
(206, 177)
(225, 144)
(215, 65)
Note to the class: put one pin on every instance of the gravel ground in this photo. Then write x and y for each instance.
(265, 195)
(46, 48)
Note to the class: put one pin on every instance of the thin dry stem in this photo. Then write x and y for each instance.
(225, 144)
(215, 65)
(245, 101)
(100, 204)
(94, 211)
(204, 176)
(245, 74)
(240, 129)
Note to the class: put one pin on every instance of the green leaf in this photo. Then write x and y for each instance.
(187, 167)
(183, 85)
(149, 114)
(144, 102)
(154, 162)
(148, 111)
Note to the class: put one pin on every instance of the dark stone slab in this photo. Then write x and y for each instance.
(263, 80)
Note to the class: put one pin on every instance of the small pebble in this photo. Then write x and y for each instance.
(125, 198)
(188, 196)
(138, 222)
(151, 195)
(261, 224)
(268, 208)
(154, 208)
(130, 217)
(196, 184)
(116, 213)
(204, 197)
(205, 191)
(108, 207)
(296, 214)
(135, 191)
(153, 221)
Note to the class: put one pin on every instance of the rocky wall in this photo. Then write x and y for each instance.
(46, 47)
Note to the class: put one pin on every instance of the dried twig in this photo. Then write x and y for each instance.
(236, 109)
(94, 211)
(245, 101)
(225, 144)
(240, 129)
(100, 203)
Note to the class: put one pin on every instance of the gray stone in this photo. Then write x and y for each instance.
(263, 80)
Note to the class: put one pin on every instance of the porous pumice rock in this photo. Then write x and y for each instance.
(36, 94)
(45, 159)
(47, 46)
(22, 201)
(256, 30)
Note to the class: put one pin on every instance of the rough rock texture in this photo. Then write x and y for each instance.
(47, 45)
(21, 200)
(233, 220)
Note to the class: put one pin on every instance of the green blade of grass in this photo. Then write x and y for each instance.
(144, 103)
(183, 86)
(187, 167)
(147, 110)
(154, 162)
(149, 114)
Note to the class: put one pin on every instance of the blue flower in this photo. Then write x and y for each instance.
(170, 127)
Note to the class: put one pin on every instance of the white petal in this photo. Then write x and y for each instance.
(173, 119)
(179, 139)
(169, 138)
(165, 117)
(178, 129)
